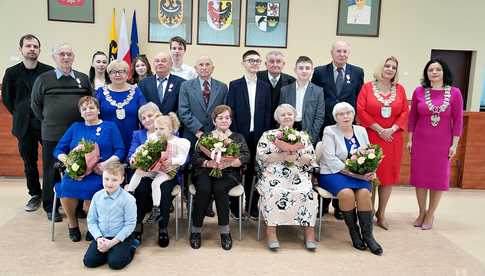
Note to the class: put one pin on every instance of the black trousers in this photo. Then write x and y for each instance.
(206, 188)
(50, 175)
(117, 257)
(144, 203)
(28, 148)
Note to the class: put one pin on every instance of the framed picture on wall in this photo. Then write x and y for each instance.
(267, 23)
(80, 11)
(219, 22)
(359, 17)
(167, 19)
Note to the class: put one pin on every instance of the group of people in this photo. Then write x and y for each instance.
(331, 109)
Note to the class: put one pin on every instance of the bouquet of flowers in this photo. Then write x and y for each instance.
(219, 151)
(82, 159)
(287, 139)
(151, 156)
(365, 159)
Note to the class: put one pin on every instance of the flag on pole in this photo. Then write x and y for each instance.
(134, 50)
(113, 45)
(124, 44)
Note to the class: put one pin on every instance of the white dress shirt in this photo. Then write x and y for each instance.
(251, 84)
(164, 84)
(300, 95)
(185, 71)
(276, 79)
(335, 72)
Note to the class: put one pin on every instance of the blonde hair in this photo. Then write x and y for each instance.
(115, 168)
(150, 106)
(117, 64)
(171, 119)
(380, 70)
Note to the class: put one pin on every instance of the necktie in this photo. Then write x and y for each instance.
(273, 82)
(206, 92)
(160, 88)
(339, 82)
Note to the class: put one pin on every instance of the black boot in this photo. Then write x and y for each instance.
(350, 218)
(365, 221)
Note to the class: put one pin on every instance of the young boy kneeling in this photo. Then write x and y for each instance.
(111, 220)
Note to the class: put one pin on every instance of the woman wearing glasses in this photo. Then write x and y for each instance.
(119, 101)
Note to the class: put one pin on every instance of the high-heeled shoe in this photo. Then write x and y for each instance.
(311, 245)
(417, 223)
(273, 245)
(425, 226)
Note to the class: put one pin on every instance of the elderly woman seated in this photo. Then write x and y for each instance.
(111, 148)
(208, 186)
(351, 189)
(285, 185)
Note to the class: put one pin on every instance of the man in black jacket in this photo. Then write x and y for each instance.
(16, 92)
(274, 76)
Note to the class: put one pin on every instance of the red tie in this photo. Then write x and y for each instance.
(206, 92)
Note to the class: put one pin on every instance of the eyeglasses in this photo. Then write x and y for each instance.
(65, 54)
(253, 61)
(118, 72)
(346, 113)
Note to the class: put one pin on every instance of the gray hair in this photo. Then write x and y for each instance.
(147, 107)
(275, 53)
(281, 108)
(340, 106)
(59, 46)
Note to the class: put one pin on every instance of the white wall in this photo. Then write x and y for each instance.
(409, 30)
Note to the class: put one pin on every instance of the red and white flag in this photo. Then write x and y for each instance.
(123, 41)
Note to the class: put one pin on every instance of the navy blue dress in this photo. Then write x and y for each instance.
(108, 138)
(335, 182)
(108, 112)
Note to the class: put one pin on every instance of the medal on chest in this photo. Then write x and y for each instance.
(386, 109)
(120, 113)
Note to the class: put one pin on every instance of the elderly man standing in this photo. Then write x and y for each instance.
(16, 93)
(275, 62)
(55, 97)
(163, 87)
(198, 98)
(341, 82)
(178, 46)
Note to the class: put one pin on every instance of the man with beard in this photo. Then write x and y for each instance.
(16, 92)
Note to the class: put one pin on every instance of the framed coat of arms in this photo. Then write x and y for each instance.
(80, 11)
(219, 22)
(267, 23)
(169, 18)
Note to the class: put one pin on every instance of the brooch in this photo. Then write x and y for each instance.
(98, 131)
(348, 78)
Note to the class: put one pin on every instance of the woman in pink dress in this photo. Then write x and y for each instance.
(435, 127)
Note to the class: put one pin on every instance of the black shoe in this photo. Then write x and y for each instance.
(33, 203)
(57, 216)
(365, 221)
(137, 234)
(74, 234)
(163, 239)
(226, 241)
(195, 240)
(350, 218)
(155, 216)
(89, 237)
(338, 214)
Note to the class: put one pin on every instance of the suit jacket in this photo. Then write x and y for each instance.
(192, 110)
(16, 94)
(170, 100)
(353, 80)
(238, 100)
(284, 80)
(332, 152)
(313, 107)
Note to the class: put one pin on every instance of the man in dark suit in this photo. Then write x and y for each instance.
(341, 82)
(306, 98)
(198, 98)
(163, 87)
(250, 100)
(275, 62)
(16, 93)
